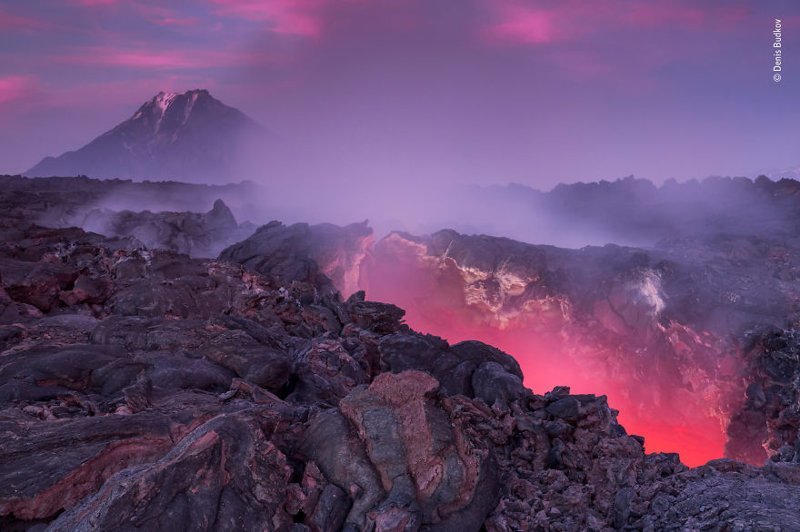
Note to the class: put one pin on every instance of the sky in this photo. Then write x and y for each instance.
(445, 91)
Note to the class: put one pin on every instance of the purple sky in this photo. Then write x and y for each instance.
(485, 91)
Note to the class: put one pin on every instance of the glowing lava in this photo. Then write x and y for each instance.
(660, 390)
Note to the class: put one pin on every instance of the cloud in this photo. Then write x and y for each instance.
(291, 17)
(175, 21)
(94, 3)
(521, 25)
(11, 21)
(154, 58)
(163, 16)
(15, 88)
(645, 15)
(521, 22)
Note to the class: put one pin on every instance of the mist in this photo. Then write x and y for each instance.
(399, 265)
(299, 186)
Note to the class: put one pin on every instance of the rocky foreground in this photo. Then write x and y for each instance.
(144, 389)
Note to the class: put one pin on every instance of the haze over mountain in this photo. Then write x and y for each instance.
(190, 137)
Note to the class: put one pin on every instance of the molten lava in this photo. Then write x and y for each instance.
(658, 392)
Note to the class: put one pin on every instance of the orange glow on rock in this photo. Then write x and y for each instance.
(653, 402)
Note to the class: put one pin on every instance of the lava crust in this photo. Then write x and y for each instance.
(142, 389)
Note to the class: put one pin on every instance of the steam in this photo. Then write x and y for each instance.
(301, 185)
(678, 394)
(663, 377)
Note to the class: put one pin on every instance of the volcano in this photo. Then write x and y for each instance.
(190, 137)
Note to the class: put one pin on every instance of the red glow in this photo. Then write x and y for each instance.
(658, 405)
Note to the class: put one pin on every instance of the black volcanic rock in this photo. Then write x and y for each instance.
(305, 252)
(191, 393)
(417, 468)
(723, 495)
(198, 235)
(467, 368)
(61, 202)
(190, 136)
(768, 424)
(664, 324)
(92, 205)
(218, 473)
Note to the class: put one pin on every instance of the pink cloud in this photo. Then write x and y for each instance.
(164, 16)
(157, 14)
(15, 88)
(692, 16)
(160, 59)
(291, 17)
(650, 15)
(521, 25)
(576, 24)
(175, 21)
(93, 3)
(520, 22)
(10, 21)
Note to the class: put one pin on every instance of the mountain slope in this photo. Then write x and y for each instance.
(190, 136)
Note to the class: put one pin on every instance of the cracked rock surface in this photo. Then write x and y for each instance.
(141, 389)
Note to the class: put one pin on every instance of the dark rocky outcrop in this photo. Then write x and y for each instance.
(198, 235)
(660, 329)
(302, 252)
(768, 424)
(413, 466)
(144, 389)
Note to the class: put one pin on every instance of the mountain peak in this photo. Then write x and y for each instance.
(169, 96)
(164, 100)
(186, 136)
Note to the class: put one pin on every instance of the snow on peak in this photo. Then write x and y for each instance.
(155, 110)
(164, 99)
(188, 109)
